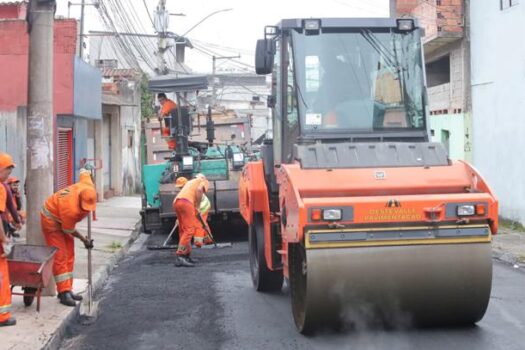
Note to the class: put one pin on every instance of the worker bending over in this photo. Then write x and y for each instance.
(6, 167)
(202, 232)
(59, 216)
(186, 206)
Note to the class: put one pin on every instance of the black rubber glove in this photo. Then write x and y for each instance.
(88, 244)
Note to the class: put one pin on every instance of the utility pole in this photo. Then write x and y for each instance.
(39, 180)
(81, 49)
(214, 68)
(393, 8)
(162, 19)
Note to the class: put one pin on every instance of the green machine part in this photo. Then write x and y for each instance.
(151, 180)
(213, 169)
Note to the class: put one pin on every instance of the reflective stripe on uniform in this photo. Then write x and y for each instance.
(63, 277)
(48, 214)
(69, 231)
(205, 205)
(5, 309)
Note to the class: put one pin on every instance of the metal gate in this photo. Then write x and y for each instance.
(64, 159)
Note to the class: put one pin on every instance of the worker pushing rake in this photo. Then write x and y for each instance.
(191, 206)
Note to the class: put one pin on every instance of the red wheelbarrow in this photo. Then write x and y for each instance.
(31, 267)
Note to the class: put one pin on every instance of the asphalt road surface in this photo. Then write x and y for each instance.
(148, 303)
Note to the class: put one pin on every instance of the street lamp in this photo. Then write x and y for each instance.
(205, 18)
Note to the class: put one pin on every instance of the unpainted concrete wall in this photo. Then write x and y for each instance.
(449, 96)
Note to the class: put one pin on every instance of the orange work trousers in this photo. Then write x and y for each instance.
(201, 235)
(64, 262)
(5, 290)
(188, 225)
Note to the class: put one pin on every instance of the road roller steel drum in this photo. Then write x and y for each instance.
(422, 277)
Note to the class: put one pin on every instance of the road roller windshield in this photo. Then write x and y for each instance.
(359, 80)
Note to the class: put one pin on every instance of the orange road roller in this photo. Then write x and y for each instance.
(351, 202)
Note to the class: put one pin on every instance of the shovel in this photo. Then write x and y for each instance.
(215, 244)
(88, 308)
(165, 245)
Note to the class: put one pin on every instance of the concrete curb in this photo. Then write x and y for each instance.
(99, 279)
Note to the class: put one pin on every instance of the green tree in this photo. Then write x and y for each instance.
(147, 98)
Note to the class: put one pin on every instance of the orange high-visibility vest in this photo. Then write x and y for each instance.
(189, 191)
(167, 107)
(64, 206)
(3, 199)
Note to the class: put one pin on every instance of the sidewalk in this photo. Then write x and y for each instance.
(113, 231)
(509, 246)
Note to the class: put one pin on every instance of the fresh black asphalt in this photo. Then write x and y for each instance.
(148, 303)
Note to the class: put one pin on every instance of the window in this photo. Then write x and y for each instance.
(357, 81)
(505, 4)
(131, 138)
(438, 72)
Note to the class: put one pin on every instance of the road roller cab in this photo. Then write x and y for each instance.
(351, 202)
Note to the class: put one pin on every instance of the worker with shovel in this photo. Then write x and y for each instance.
(6, 167)
(59, 216)
(186, 206)
(202, 236)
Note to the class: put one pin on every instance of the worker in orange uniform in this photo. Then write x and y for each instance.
(13, 225)
(6, 167)
(59, 216)
(201, 236)
(186, 206)
(167, 106)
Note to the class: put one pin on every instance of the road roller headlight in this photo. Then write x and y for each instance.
(332, 214)
(466, 210)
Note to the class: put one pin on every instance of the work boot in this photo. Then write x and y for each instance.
(76, 297)
(9, 322)
(191, 260)
(184, 261)
(66, 299)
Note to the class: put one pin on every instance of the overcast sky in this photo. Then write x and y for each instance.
(237, 29)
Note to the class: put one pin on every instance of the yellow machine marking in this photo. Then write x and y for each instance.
(393, 214)
(400, 242)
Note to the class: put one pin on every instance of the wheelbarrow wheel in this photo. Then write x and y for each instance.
(28, 299)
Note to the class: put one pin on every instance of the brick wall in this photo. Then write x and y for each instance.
(449, 98)
(14, 61)
(436, 16)
(65, 42)
(14, 46)
(13, 10)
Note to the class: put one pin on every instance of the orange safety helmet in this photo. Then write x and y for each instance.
(88, 199)
(12, 180)
(6, 161)
(181, 181)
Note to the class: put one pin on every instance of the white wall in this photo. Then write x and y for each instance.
(498, 96)
(130, 124)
